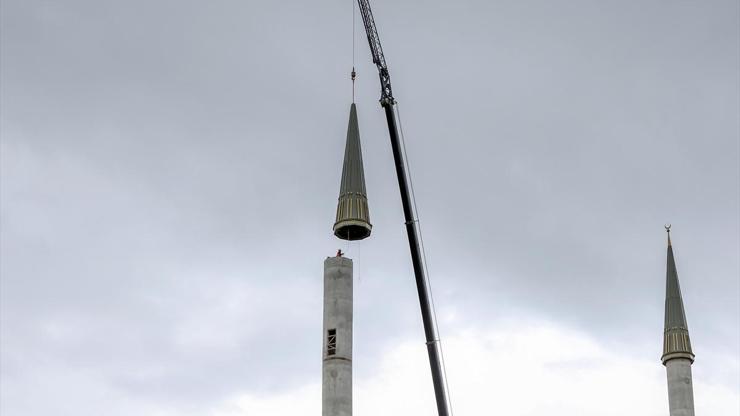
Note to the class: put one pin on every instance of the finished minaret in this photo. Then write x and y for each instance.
(677, 354)
(352, 223)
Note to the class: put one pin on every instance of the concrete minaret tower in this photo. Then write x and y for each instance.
(336, 392)
(677, 354)
(352, 223)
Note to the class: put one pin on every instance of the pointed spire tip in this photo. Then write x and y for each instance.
(668, 230)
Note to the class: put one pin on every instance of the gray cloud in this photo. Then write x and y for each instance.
(170, 173)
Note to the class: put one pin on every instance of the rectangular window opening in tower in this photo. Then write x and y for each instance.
(331, 342)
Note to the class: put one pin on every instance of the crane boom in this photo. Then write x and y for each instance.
(377, 50)
(412, 224)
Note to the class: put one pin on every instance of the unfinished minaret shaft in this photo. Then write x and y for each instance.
(352, 223)
(336, 391)
(677, 354)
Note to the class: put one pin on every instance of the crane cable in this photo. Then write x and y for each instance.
(424, 256)
(353, 74)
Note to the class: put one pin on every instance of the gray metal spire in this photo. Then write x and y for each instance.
(676, 341)
(353, 218)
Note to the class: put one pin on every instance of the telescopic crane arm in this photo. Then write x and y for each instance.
(386, 97)
(412, 225)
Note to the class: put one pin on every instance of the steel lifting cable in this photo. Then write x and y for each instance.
(424, 255)
(359, 261)
(353, 74)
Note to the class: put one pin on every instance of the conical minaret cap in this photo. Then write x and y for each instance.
(676, 341)
(353, 219)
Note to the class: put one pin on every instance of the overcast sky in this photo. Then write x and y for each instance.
(170, 172)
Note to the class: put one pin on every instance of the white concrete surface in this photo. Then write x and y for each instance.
(680, 387)
(336, 394)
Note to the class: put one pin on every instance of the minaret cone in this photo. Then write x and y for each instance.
(353, 219)
(676, 342)
(677, 354)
